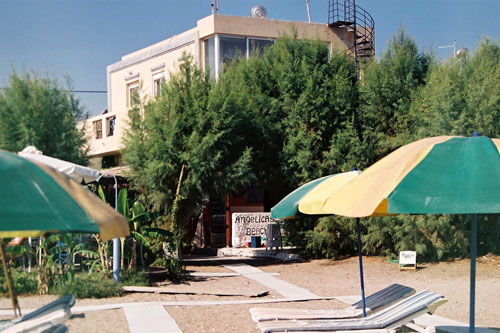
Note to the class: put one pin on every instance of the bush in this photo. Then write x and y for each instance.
(90, 286)
(433, 237)
(24, 282)
(131, 277)
(331, 237)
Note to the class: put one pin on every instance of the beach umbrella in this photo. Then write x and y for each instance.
(437, 175)
(77, 172)
(37, 199)
(309, 200)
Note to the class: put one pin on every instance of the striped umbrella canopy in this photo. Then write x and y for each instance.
(310, 198)
(437, 175)
(37, 199)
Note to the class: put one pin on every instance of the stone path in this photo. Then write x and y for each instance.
(149, 318)
(152, 317)
(284, 288)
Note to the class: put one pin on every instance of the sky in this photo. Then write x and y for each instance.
(80, 38)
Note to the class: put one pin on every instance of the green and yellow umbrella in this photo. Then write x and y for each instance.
(310, 197)
(36, 199)
(437, 175)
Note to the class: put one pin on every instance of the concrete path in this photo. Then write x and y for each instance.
(149, 319)
(284, 288)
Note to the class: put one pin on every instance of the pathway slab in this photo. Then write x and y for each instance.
(149, 319)
(284, 288)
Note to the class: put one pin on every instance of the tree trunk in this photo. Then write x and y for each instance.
(133, 255)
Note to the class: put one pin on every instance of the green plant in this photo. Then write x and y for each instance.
(63, 248)
(24, 282)
(137, 218)
(130, 277)
(97, 285)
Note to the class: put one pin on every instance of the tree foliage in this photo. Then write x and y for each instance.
(298, 113)
(299, 102)
(406, 96)
(386, 93)
(462, 96)
(189, 125)
(37, 111)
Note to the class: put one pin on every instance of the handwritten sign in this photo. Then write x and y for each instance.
(408, 260)
(246, 225)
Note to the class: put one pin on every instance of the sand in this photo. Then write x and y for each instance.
(322, 277)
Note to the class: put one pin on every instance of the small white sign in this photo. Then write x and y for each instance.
(246, 225)
(408, 258)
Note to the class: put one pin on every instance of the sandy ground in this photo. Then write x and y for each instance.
(322, 277)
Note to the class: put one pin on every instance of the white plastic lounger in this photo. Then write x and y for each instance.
(374, 302)
(48, 318)
(385, 320)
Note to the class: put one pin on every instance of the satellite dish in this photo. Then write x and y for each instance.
(462, 52)
(258, 12)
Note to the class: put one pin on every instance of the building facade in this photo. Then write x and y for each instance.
(215, 40)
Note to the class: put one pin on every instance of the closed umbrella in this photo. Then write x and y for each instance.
(77, 172)
(37, 199)
(437, 175)
(309, 200)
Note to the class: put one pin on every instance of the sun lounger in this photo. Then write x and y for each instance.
(52, 315)
(374, 302)
(383, 321)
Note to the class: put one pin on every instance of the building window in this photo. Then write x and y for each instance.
(158, 81)
(97, 125)
(219, 50)
(209, 49)
(257, 46)
(231, 48)
(110, 124)
(133, 94)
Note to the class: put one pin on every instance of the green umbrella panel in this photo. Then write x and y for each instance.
(310, 198)
(437, 175)
(36, 199)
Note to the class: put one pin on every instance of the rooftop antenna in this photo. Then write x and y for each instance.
(308, 11)
(215, 7)
(454, 46)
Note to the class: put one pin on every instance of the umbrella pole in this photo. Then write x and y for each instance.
(12, 293)
(473, 254)
(361, 267)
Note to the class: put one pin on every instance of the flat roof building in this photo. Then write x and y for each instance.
(215, 40)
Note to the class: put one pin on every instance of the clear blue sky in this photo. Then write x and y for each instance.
(81, 37)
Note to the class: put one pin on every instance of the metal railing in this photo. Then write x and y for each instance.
(346, 14)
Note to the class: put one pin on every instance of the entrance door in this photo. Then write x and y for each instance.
(218, 223)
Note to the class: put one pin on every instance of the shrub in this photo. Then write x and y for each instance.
(90, 286)
(24, 282)
(433, 237)
(132, 277)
